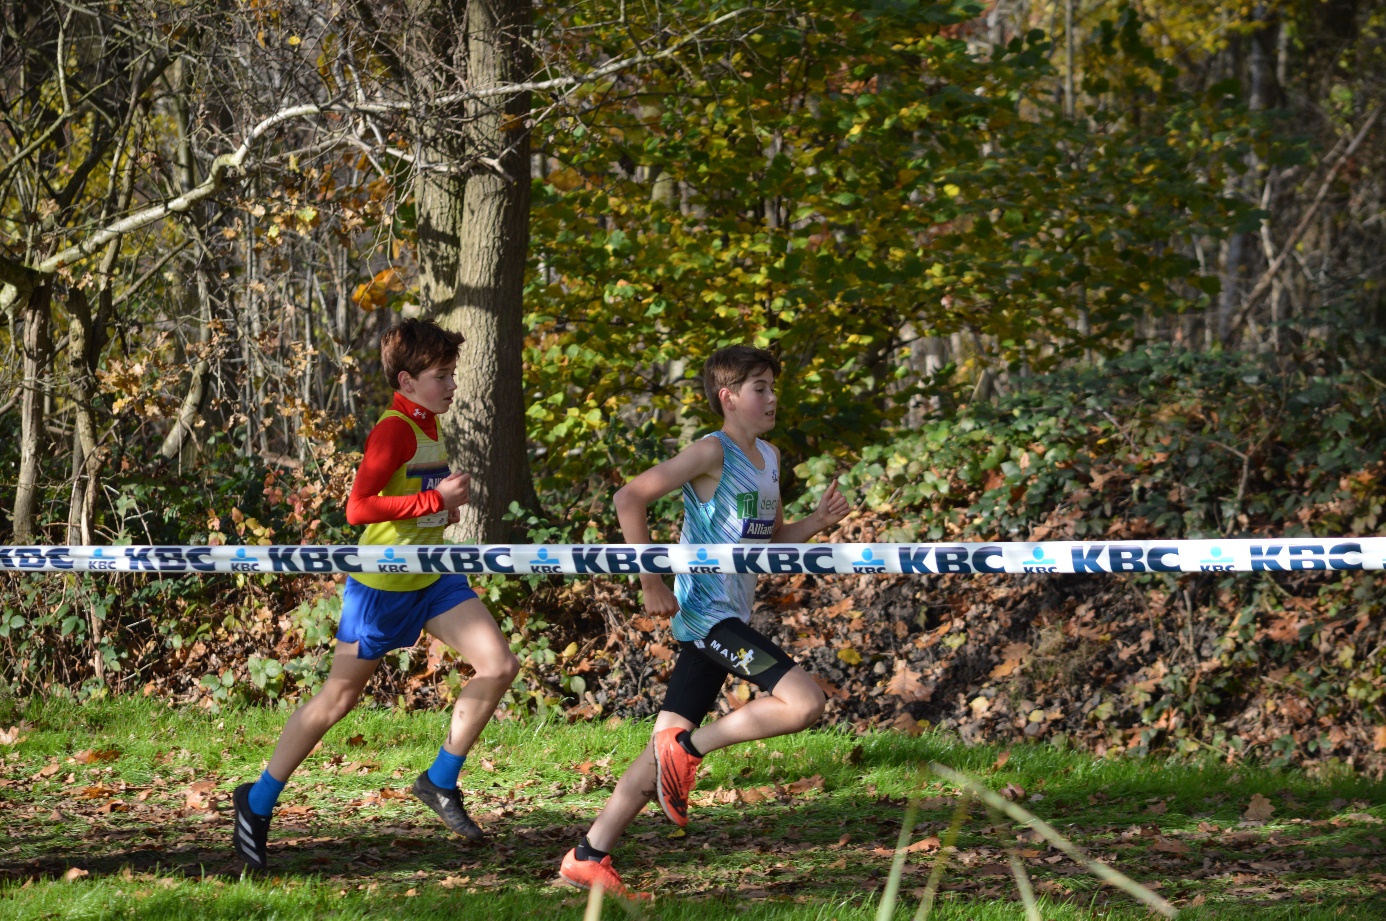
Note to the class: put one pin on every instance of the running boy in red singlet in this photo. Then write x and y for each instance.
(730, 481)
(403, 494)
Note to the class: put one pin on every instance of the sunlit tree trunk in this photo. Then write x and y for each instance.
(474, 232)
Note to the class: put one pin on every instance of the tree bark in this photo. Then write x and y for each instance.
(485, 431)
(38, 350)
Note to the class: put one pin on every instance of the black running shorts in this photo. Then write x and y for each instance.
(731, 647)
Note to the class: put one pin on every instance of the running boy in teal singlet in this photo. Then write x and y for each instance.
(403, 494)
(731, 494)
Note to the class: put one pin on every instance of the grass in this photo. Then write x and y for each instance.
(131, 798)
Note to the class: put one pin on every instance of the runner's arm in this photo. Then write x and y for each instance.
(702, 458)
(390, 444)
(832, 508)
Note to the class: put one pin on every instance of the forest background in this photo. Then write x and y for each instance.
(1034, 269)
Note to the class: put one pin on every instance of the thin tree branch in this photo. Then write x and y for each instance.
(1264, 284)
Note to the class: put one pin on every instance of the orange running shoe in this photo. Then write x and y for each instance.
(676, 771)
(586, 873)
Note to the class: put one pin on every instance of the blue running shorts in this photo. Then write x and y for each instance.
(380, 621)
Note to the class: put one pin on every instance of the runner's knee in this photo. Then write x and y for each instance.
(501, 668)
(333, 703)
(807, 704)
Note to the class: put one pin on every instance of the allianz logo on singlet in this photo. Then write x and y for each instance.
(750, 508)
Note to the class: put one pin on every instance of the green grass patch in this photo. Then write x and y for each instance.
(120, 808)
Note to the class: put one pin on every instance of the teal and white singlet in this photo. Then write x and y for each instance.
(741, 511)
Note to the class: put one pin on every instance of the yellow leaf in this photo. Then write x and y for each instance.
(376, 292)
(566, 179)
(849, 655)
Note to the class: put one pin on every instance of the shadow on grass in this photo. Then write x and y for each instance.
(822, 849)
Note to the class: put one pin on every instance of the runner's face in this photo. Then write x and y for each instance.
(433, 389)
(754, 403)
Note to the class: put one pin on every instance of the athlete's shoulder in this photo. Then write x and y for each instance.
(709, 446)
(392, 424)
(391, 435)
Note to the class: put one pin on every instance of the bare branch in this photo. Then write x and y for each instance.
(1264, 284)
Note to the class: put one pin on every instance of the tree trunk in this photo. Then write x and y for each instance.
(195, 279)
(485, 431)
(37, 353)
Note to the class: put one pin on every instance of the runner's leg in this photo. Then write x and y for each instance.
(470, 629)
(310, 722)
(633, 791)
(794, 704)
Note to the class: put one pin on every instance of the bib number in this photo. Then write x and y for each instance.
(431, 480)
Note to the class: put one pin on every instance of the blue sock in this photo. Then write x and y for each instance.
(445, 769)
(264, 794)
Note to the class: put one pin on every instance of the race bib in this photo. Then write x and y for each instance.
(430, 479)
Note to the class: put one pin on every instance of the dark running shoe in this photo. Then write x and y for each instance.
(248, 830)
(448, 805)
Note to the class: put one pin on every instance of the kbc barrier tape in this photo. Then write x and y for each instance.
(1327, 554)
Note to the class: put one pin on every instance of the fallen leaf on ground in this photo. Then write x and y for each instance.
(906, 724)
(924, 845)
(1259, 809)
(905, 683)
(1005, 669)
(196, 797)
(75, 873)
(1170, 846)
(97, 792)
(1001, 760)
(90, 756)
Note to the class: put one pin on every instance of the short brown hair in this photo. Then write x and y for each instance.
(729, 367)
(415, 346)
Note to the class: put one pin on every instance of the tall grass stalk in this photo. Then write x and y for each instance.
(946, 848)
(1051, 834)
(897, 865)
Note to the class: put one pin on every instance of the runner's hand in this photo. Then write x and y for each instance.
(659, 600)
(832, 508)
(454, 516)
(456, 489)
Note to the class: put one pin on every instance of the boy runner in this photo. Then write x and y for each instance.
(403, 494)
(731, 494)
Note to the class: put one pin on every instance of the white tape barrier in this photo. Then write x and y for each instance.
(1327, 554)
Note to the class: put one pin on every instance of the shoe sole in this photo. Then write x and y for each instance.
(572, 882)
(660, 795)
(587, 887)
